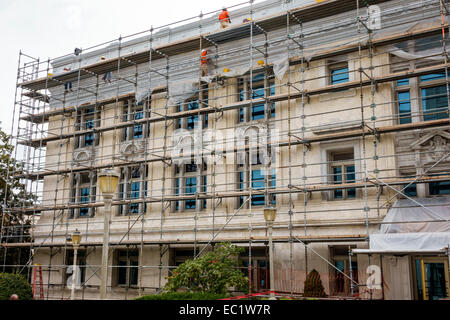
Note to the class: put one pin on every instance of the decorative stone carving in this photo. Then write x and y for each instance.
(436, 144)
(132, 148)
(82, 156)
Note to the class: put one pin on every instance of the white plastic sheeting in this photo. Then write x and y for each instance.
(181, 90)
(235, 71)
(428, 229)
(404, 210)
(142, 94)
(281, 65)
(432, 54)
(401, 242)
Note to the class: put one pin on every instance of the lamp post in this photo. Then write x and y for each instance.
(269, 215)
(76, 239)
(108, 181)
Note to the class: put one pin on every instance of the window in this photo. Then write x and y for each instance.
(342, 170)
(410, 190)
(340, 274)
(192, 122)
(432, 76)
(190, 179)
(256, 112)
(403, 101)
(179, 256)
(404, 107)
(132, 113)
(87, 120)
(422, 98)
(127, 268)
(83, 192)
(434, 103)
(256, 179)
(132, 186)
(439, 187)
(339, 74)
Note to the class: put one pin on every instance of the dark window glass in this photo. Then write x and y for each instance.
(89, 138)
(257, 111)
(434, 103)
(135, 188)
(122, 273)
(350, 178)
(133, 273)
(402, 82)
(339, 75)
(85, 192)
(191, 188)
(439, 188)
(404, 107)
(337, 178)
(411, 190)
(433, 76)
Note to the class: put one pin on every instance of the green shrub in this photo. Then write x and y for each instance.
(213, 272)
(313, 285)
(11, 283)
(183, 296)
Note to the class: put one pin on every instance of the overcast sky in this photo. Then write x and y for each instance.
(51, 28)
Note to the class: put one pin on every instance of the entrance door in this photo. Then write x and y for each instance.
(432, 274)
(259, 277)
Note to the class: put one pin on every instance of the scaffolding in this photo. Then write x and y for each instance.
(131, 89)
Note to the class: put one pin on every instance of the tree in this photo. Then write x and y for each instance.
(213, 272)
(14, 284)
(13, 194)
(313, 285)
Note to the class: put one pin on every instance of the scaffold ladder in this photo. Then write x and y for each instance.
(38, 268)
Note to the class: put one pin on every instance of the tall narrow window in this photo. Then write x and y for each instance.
(83, 193)
(87, 120)
(127, 268)
(343, 171)
(404, 107)
(255, 90)
(192, 122)
(133, 186)
(190, 179)
(256, 179)
(434, 103)
(133, 113)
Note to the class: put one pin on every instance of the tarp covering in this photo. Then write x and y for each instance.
(404, 210)
(432, 54)
(431, 231)
(281, 65)
(142, 94)
(409, 241)
(181, 90)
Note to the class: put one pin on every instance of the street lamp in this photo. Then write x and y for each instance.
(108, 180)
(269, 215)
(76, 239)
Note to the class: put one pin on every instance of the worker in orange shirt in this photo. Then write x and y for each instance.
(224, 18)
(204, 63)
